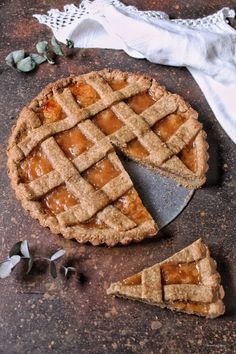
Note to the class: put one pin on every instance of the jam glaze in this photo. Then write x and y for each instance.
(182, 273)
(140, 102)
(51, 112)
(84, 94)
(134, 280)
(73, 142)
(107, 121)
(117, 84)
(192, 307)
(168, 126)
(136, 149)
(59, 200)
(189, 156)
(101, 173)
(131, 205)
(34, 166)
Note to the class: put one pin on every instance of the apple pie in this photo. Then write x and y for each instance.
(63, 165)
(187, 281)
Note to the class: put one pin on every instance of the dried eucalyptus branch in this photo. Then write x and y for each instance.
(23, 62)
(20, 251)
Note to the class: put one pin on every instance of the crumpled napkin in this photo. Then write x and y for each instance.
(207, 46)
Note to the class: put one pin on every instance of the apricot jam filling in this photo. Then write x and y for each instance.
(117, 84)
(131, 205)
(134, 280)
(34, 166)
(189, 156)
(168, 126)
(51, 112)
(84, 94)
(101, 173)
(94, 222)
(107, 121)
(196, 307)
(182, 273)
(136, 149)
(73, 142)
(59, 200)
(185, 273)
(140, 102)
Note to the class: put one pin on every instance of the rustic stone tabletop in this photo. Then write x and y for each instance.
(41, 315)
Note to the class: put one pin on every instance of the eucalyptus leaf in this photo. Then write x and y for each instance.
(9, 60)
(39, 59)
(5, 269)
(30, 265)
(68, 269)
(42, 47)
(53, 269)
(24, 249)
(70, 43)
(18, 55)
(14, 260)
(56, 46)
(57, 255)
(15, 250)
(49, 58)
(25, 65)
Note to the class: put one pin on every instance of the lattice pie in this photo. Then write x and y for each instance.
(62, 161)
(187, 282)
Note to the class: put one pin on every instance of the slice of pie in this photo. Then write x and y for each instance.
(187, 281)
(62, 161)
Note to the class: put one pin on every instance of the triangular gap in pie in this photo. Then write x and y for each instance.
(187, 281)
(63, 166)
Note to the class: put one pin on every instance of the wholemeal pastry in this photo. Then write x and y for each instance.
(187, 281)
(63, 164)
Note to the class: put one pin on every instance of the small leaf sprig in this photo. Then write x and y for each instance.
(23, 62)
(20, 251)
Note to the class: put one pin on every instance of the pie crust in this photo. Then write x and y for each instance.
(187, 281)
(62, 162)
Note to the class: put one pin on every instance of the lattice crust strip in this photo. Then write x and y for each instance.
(188, 281)
(161, 154)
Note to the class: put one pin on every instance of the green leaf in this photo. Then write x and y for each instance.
(18, 55)
(24, 249)
(53, 269)
(42, 47)
(14, 260)
(30, 265)
(56, 46)
(15, 250)
(9, 60)
(25, 65)
(7, 266)
(5, 269)
(57, 255)
(70, 43)
(49, 58)
(39, 59)
(68, 269)
(14, 57)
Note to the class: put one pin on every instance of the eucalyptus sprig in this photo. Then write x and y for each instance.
(20, 251)
(23, 62)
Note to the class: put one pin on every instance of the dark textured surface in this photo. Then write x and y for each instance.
(41, 315)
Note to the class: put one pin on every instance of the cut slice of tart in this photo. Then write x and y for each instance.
(63, 166)
(187, 281)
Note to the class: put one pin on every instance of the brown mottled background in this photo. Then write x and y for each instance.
(41, 315)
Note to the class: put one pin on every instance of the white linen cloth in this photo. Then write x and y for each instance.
(206, 46)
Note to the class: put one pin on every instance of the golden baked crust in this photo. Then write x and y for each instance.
(161, 153)
(188, 282)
